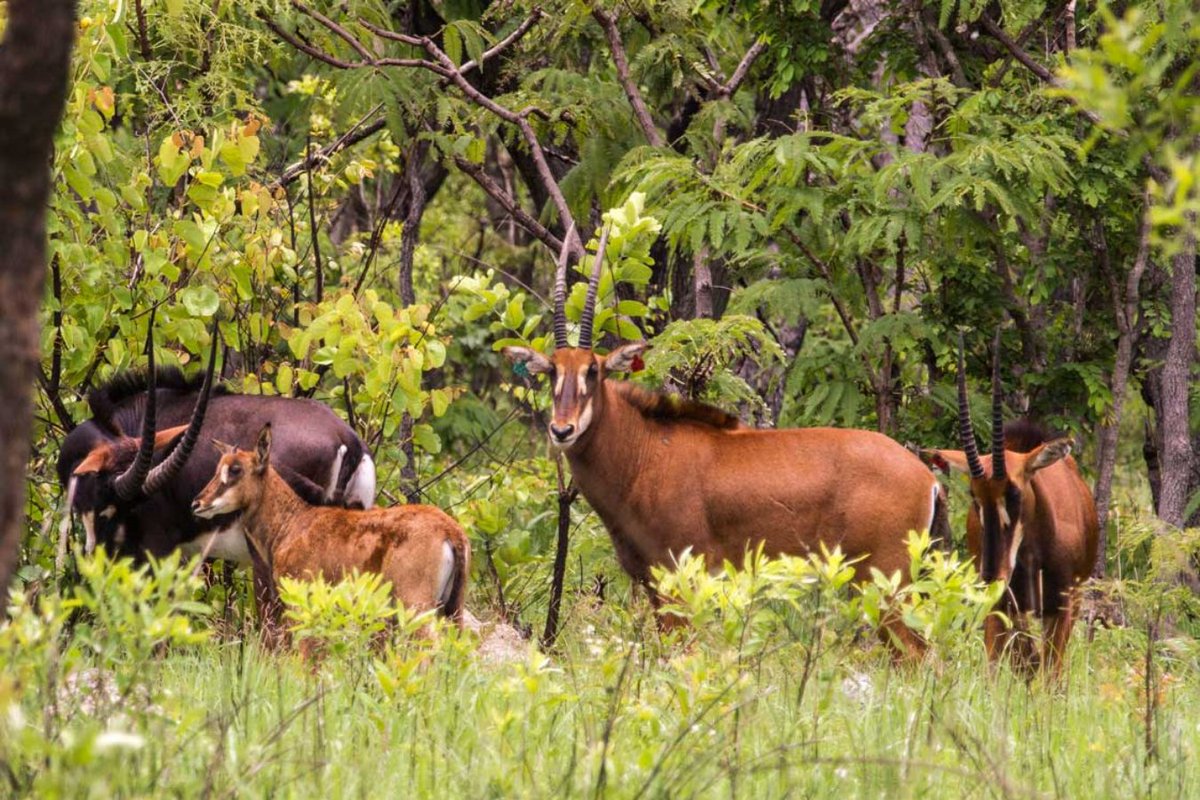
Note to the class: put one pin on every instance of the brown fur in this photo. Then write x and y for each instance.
(663, 406)
(1056, 553)
(298, 540)
(664, 483)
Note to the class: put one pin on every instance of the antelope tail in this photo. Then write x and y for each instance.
(455, 594)
(939, 526)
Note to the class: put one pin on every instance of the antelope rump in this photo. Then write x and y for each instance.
(1032, 524)
(666, 474)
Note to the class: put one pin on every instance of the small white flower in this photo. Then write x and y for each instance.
(112, 740)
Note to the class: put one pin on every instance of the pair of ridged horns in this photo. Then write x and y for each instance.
(560, 293)
(139, 480)
(967, 433)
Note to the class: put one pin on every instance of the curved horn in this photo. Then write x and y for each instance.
(129, 483)
(965, 432)
(560, 290)
(589, 303)
(999, 469)
(170, 467)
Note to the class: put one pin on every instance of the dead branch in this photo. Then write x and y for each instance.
(640, 112)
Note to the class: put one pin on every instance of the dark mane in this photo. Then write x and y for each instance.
(660, 405)
(1023, 435)
(111, 396)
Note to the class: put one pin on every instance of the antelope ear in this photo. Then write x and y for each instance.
(262, 452)
(164, 438)
(222, 448)
(535, 363)
(1047, 454)
(625, 357)
(946, 460)
(94, 461)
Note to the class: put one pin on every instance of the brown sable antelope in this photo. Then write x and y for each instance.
(421, 550)
(667, 474)
(1032, 524)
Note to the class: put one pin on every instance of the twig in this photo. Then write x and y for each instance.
(497, 192)
(353, 136)
(609, 23)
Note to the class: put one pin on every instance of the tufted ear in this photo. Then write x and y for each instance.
(100, 457)
(945, 460)
(1047, 454)
(626, 357)
(533, 361)
(262, 452)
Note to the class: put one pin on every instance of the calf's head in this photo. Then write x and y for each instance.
(239, 481)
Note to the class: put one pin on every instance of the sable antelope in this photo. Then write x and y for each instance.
(135, 507)
(420, 549)
(1032, 524)
(667, 474)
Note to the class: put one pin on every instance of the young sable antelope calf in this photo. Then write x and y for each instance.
(420, 549)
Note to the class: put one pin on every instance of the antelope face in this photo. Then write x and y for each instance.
(1000, 505)
(94, 495)
(238, 482)
(577, 379)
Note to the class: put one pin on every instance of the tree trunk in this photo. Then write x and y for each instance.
(408, 248)
(35, 59)
(1175, 458)
(1125, 308)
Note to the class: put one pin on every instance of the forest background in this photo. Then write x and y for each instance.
(809, 201)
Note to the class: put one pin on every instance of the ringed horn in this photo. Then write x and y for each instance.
(140, 480)
(589, 304)
(967, 433)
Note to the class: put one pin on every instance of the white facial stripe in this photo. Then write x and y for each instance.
(585, 419)
(109, 512)
(558, 384)
(224, 473)
(1018, 535)
(89, 525)
(581, 382)
(1002, 511)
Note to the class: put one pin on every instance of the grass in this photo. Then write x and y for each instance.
(619, 712)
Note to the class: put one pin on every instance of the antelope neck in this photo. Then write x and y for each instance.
(267, 521)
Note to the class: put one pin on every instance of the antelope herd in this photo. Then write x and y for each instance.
(664, 474)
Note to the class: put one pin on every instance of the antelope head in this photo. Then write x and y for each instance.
(239, 481)
(118, 474)
(1000, 491)
(577, 373)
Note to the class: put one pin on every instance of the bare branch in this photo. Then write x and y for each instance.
(743, 67)
(353, 136)
(640, 112)
(498, 193)
(504, 43)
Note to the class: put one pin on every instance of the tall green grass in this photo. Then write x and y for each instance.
(617, 710)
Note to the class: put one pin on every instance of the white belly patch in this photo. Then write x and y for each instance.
(226, 543)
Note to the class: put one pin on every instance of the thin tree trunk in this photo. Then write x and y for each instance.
(566, 497)
(35, 59)
(1175, 460)
(702, 279)
(408, 248)
(1125, 308)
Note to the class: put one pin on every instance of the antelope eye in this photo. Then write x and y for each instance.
(235, 470)
(592, 370)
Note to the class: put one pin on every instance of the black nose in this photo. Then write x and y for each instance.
(562, 433)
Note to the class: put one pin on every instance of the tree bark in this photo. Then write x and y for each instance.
(1175, 459)
(35, 58)
(408, 248)
(1125, 309)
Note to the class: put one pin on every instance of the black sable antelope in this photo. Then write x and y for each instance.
(131, 474)
(1032, 524)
